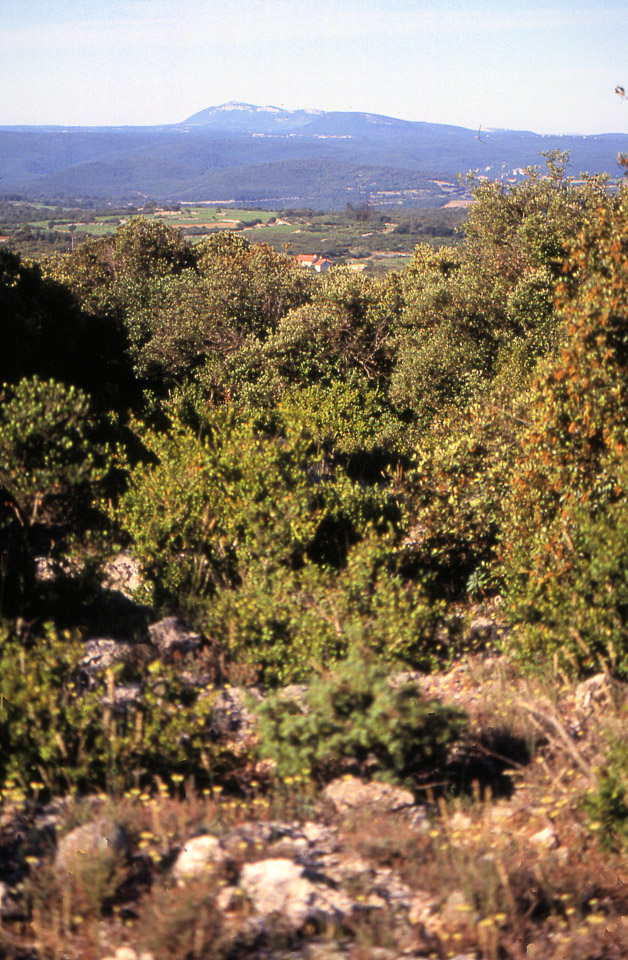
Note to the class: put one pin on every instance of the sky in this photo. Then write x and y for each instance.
(550, 66)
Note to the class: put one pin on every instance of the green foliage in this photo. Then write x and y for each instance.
(137, 252)
(46, 334)
(143, 249)
(353, 716)
(439, 368)
(569, 479)
(571, 606)
(58, 730)
(172, 328)
(453, 496)
(250, 287)
(50, 462)
(468, 308)
(286, 623)
(238, 492)
(180, 320)
(446, 340)
(352, 417)
(606, 804)
(513, 228)
(258, 538)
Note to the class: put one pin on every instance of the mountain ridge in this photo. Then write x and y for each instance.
(263, 154)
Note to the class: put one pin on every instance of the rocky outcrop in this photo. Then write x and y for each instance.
(282, 888)
(351, 793)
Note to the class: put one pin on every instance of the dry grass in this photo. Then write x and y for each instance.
(513, 872)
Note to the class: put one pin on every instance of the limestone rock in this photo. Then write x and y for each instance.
(422, 910)
(172, 636)
(338, 867)
(600, 690)
(482, 629)
(199, 857)
(124, 695)
(11, 907)
(124, 575)
(104, 652)
(102, 841)
(231, 713)
(128, 953)
(544, 840)
(457, 911)
(280, 887)
(351, 793)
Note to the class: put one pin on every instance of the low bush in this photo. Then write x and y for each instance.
(606, 804)
(452, 497)
(573, 611)
(270, 548)
(49, 460)
(53, 468)
(563, 540)
(353, 716)
(286, 624)
(61, 731)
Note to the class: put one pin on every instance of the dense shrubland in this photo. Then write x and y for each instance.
(302, 465)
(324, 478)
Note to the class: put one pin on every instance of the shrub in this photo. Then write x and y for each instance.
(464, 307)
(49, 460)
(269, 547)
(606, 804)
(138, 251)
(285, 624)
(236, 495)
(453, 495)
(45, 333)
(60, 730)
(52, 470)
(569, 478)
(183, 923)
(353, 714)
(439, 367)
(571, 607)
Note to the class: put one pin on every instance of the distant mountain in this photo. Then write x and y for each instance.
(248, 118)
(269, 156)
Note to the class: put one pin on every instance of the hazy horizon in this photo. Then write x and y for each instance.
(547, 67)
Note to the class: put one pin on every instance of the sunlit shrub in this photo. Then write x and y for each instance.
(352, 714)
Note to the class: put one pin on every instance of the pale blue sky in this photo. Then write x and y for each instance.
(545, 65)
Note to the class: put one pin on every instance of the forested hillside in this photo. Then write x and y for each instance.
(267, 157)
(318, 476)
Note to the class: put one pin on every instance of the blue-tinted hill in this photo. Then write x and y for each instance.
(263, 155)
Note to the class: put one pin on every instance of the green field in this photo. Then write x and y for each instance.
(368, 236)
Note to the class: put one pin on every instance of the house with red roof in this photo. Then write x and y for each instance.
(313, 262)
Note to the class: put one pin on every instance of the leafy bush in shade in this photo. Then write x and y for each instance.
(573, 610)
(53, 469)
(270, 549)
(606, 803)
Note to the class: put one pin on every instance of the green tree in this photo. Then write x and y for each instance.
(471, 309)
(52, 468)
(569, 477)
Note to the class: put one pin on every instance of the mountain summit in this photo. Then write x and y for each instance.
(250, 118)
